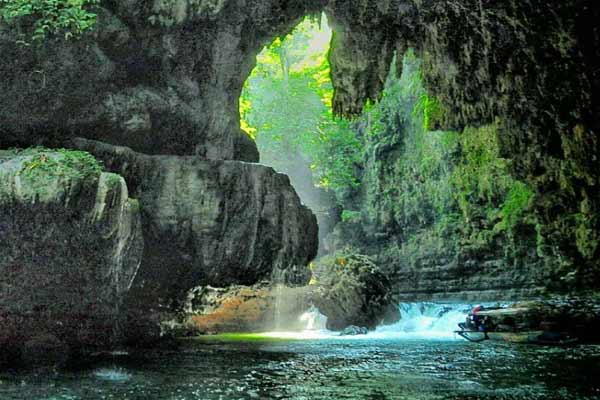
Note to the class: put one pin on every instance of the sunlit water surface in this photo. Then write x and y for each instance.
(401, 362)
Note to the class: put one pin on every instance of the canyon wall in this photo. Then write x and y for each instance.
(164, 79)
(530, 64)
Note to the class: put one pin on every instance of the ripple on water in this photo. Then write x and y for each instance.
(113, 374)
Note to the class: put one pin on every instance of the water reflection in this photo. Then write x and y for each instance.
(326, 369)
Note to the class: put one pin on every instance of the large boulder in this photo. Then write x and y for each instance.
(212, 223)
(351, 290)
(70, 247)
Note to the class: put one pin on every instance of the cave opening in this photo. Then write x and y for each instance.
(394, 182)
(285, 107)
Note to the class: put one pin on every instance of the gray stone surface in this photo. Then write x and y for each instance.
(213, 222)
(70, 247)
(162, 77)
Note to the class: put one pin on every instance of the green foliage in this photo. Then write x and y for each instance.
(45, 166)
(286, 108)
(429, 109)
(515, 204)
(436, 196)
(486, 193)
(350, 216)
(41, 18)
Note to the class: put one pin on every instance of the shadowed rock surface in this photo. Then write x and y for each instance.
(532, 64)
(160, 77)
(71, 244)
(351, 290)
(212, 222)
(165, 78)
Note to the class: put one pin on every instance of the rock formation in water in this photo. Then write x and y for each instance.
(71, 244)
(165, 79)
(349, 289)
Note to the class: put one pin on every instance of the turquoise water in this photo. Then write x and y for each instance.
(366, 368)
(417, 358)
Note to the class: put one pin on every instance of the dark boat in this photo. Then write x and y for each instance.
(490, 324)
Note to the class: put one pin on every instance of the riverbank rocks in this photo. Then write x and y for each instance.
(351, 290)
(259, 308)
(70, 247)
(573, 316)
(215, 223)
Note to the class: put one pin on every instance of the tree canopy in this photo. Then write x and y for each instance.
(286, 108)
(38, 19)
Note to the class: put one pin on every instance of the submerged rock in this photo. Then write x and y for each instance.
(213, 223)
(354, 330)
(70, 247)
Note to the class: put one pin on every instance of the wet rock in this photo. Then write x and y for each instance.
(354, 330)
(352, 290)
(70, 246)
(214, 223)
(557, 317)
(258, 308)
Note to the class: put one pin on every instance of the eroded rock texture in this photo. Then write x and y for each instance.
(532, 64)
(351, 290)
(71, 245)
(163, 77)
(213, 222)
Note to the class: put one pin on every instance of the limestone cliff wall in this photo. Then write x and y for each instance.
(71, 245)
(213, 222)
(163, 77)
(531, 63)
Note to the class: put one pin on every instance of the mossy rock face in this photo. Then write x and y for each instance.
(70, 245)
(351, 290)
(530, 64)
(43, 174)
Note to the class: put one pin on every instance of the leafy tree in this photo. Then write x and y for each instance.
(286, 108)
(40, 18)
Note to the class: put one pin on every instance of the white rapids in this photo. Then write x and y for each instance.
(429, 321)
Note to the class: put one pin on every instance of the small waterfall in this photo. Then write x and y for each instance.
(314, 320)
(422, 321)
(278, 294)
(426, 320)
(278, 279)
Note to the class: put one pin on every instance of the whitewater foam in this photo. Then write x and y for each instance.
(114, 374)
(419, 321)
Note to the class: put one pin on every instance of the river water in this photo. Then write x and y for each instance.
(418, 358)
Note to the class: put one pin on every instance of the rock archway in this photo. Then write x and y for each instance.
(164, 77)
